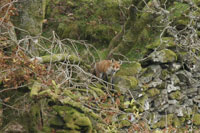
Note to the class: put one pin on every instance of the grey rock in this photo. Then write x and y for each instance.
(196, 99)
(152, 72)
(146, 105)
(171, 87)
(188, 102)
(163, 56)
(179, 111)
(175, 67)
(163, 108)
(155, 83)
(173, 102)
(191, 90)
(175, 79)
(183, 76)
(176, 109)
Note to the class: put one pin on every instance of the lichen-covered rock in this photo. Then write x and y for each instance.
(131, 69)
(152, 72)
(155, 83)
(153, 92)
(163, 56)
(171, 87)
(176, 95)
(184, 76)
(124, 123)
(196, 119)
(144, 103)
(160, 101)
(161, 43)
(177, 10)
(125, 83)
(169, 119)
(175, 67)
(73, 119)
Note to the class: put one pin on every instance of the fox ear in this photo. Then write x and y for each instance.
(120, 62)
(112, 60)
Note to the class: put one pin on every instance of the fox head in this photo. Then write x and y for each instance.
(115, 65)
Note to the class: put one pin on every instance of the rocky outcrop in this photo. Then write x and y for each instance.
(168, 88)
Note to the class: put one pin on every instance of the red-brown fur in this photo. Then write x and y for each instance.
(106, 67)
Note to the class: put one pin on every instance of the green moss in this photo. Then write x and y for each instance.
(198, 33)
(169, 120)
(153, 92)
(176, 122)
(165, 121)
(177, 9)
(98, 91)
(124, 123)
(123, 83)
(164, 56)
(71, 30)
(73, 119)
(148, 73)
(71, 95)
(170, 56)
(133, 82)
(182, 21)
(175, 95)
(164, 74)
(182, 119)
(31, 17)
(102, 54)
(196, 119)
(46, 129)
(197, 2)
(35, 88)
(56, 121)
(95, 21)
(167, 42)
(131, 69)
(141, 102)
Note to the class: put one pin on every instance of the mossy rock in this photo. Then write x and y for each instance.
(169, 120)
(196, 119)
(95, 21)
(177, 95)
(150, 73)
(142, 100)
(131, 69)
(177, 10)
(153, 92)
(56, 121)
(167, 42)
(164, 56)
(123, 83)
(165, 74)
(124, 123)
(197, 2)
(74, 120)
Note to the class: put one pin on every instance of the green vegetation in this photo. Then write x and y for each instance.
(48, 51)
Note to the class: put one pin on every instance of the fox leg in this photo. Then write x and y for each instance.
(105, 77)
(101, 75)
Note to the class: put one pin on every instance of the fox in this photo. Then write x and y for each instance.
(105, 68)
